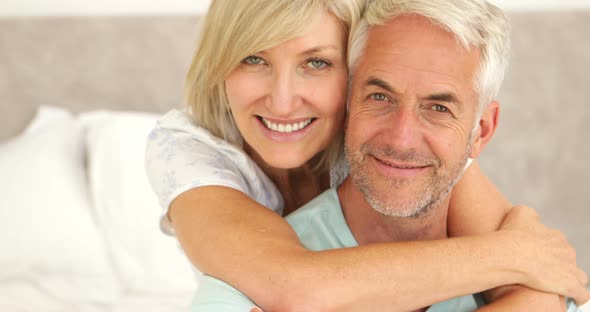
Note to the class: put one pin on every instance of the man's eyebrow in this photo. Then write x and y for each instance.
(444, 97)
(374, 81)
(440, 97)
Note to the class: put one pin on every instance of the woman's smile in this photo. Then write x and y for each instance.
(286, 126)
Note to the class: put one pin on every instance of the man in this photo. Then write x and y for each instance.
(421, 105)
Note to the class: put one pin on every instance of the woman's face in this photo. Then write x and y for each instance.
(289, 101)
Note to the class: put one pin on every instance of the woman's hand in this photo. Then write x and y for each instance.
(549, 263)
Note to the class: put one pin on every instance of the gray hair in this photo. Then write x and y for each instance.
(475, 23)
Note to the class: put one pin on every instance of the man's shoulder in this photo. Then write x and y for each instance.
(320, 223)
(318, 208)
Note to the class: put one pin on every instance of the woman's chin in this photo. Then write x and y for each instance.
(285, 162)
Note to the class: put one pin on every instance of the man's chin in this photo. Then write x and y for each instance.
(401, 206)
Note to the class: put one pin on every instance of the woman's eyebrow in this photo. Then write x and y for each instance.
(320, 49)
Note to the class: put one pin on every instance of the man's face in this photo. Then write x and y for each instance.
(412, 111)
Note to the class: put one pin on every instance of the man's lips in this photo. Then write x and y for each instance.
(397, 169)
(399, 164)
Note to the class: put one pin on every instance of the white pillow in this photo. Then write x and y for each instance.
(47, 232)
(128, 211)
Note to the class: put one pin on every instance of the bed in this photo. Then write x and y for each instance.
(78, 96)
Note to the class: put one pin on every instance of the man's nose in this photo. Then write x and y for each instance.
(403, 129)
(284, 98)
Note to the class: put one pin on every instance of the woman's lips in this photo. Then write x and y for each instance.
(285, 127)
(286, 131)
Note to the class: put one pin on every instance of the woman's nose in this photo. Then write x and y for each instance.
(284, 97)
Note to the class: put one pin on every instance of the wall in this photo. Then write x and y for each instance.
(519, 5)
(192, 7)
(103, 7)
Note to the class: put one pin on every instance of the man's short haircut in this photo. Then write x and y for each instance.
(475, 23)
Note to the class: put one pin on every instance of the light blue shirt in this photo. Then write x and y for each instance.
(320, 225)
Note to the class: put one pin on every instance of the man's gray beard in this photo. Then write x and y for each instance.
(438, 186)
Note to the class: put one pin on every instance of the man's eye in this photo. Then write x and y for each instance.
(253, 60)
(439, 108)
(378, 97)
(317, 63)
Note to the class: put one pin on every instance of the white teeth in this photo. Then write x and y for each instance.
(286, 128)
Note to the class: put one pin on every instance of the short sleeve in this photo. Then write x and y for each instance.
(215, 295)
(181, 156)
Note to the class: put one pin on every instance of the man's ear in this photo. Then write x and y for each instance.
(486, 129)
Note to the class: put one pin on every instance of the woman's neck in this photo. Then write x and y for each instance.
(296, 185)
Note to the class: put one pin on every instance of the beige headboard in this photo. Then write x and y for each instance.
(539, 155)
(88, 63)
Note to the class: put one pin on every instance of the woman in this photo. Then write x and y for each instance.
(267, 91)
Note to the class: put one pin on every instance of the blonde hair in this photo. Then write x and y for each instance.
(475, 23)
(234, 30)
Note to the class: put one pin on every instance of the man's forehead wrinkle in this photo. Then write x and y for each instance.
(380, 53)
(377, 70)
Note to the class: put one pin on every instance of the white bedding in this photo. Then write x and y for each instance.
(21, 296)
(80, 224)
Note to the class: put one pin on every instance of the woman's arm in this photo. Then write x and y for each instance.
(228, 235)
(524, 301)
(477, 207)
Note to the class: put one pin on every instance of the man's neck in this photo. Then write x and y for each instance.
(369, 226)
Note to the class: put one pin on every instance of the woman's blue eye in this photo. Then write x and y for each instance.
(317, 64)
(253, 60)
(378, 97)
(439, 108)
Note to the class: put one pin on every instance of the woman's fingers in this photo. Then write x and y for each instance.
(549, 259)
(581, 295)
(584, 295)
